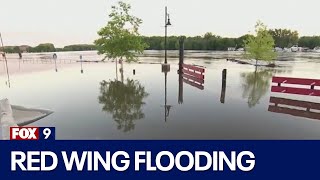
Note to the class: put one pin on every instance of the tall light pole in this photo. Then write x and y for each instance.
(5, 59)
(167, 23)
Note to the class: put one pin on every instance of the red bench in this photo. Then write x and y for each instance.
(296, 107)
(283, 81)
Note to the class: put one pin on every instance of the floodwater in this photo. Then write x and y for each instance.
(103, 103)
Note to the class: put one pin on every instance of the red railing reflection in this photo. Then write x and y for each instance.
(295, 107)
(291, 107)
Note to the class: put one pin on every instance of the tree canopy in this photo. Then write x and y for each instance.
(260, 46)
(79, 47)
(45, 47)
(284, 37)
(309, 41)
(120, 37)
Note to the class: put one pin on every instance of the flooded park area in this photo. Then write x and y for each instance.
(95, 100)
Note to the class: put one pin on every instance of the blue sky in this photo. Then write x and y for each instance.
(65, 22)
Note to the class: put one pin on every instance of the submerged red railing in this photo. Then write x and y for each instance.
(193, 75)
(282, 87)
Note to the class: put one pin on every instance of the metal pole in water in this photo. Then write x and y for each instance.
(20, 58)
(4, 63)
(55, 61)
(5, 58)
(165, 36)
(81, 63)
(55, 64)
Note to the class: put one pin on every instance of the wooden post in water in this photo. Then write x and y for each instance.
(224, 83)
(181, 53)
(181, 59)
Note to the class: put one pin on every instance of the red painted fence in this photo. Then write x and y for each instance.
(193, 68)
(193, 75)
(283, 81)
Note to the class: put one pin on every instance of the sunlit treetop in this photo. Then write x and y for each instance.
(260, 46)
(120, 38)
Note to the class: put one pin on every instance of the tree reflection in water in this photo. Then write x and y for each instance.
(255, 85)
(124, 101)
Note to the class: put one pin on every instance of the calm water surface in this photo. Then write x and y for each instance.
(102, 103)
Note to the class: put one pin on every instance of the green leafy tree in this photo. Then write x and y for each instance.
(309, 41)
(284, 37)
(120, 38)
(46, 47)
(260, 46)
(241, 40)
(16, 49)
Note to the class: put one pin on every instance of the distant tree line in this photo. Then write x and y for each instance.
(282, 37)
(48, 47)
(206, 42)
(79, 47)
(309, 41)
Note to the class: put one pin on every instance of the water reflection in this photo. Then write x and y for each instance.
(293, 107)
(167, 107)
(180, 93)
(199, 115)
(255, 85)
(124, 100)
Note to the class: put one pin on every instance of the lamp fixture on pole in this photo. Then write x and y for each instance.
(167, 23)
